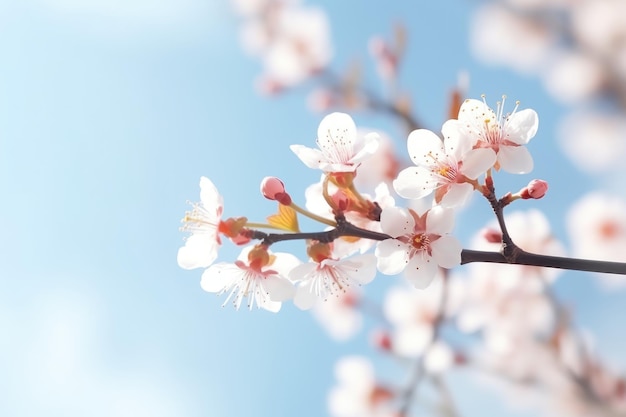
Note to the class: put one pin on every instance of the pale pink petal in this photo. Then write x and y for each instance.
(423, 145)
(396, 222)
(267, 304)
(360, 268)
(477, 161)
(522, 126)
(457, 195)
(440, 220)
(421, 270)
(515, 159)
(447, 251)
(391, 256)
(415, 182)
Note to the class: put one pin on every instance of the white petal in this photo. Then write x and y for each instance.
(440, 220)
(456, 140)
(336, 136)
(209, 196)
(278, 288)
(396, 221)
(412, 340)
(305, 298)
(457, 195)
(515, 159)
(477, 161)
(425, 147)
(312, 158)
(447, 251)
(200, 251)
(439, 358)
(220, 277)
(421, 270)
(301, 272)
(366, 147)
(414, 182)
(522, 126)
(391, 256)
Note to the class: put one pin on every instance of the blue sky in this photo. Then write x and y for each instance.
(109, 114)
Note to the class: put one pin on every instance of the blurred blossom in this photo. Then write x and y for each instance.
(594, 141)
(357, 393)
(498, 36)
(597, 229)
(530, 230)
(292, 41)
(339, 315)
(381, 167)
(413, 314)
(600, 24)
(573, 76)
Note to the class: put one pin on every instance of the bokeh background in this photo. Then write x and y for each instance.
(110, 111)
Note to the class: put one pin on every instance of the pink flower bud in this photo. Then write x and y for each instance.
(535, 189)
(382, 340)
(273, 188)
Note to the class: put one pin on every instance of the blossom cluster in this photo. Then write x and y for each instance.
(415, 243)
(576, 49)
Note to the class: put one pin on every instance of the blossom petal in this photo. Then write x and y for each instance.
(515, 159)
(396, 222)
(336, 136)
(414, 182)
(477, 162)
(309, 156)
(210, 197)
(456, 140)
(440, 220)
(457, 195)
(522, 126)
(219, 277)
(447, 251)
(423, 145)
(391, 256)
(421, 270)
(200, 251)
(366, 147)
(278, 288)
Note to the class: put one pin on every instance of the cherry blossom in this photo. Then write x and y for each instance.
(597, 229)
(358, 394)
(413, 315)
(419, 245)
(203, 222)
(504, 133)
(257, 275)
(339, 315)
(341, 149)
(327, 276)
(443, 167)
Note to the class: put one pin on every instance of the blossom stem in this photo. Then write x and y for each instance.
(312, 215)
(526, 258)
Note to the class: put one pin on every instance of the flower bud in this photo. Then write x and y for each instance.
(492, 235)
(535, 189)
(382, 340)
(273, 188)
